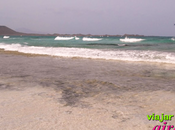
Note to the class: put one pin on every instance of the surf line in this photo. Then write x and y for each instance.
(161, 119)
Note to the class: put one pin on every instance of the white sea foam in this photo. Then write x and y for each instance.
(173, 39)
(77, 38)
(131, 40)
(125, 55)
(63, 38)
(91, 39)
(6, 37)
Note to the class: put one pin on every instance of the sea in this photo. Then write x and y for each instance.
(145, 49)
(120, 79)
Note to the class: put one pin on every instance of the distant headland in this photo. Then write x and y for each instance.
(4, 30)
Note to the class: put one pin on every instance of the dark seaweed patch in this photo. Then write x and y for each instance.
(73, 92)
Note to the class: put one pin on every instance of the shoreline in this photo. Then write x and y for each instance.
(3, 51)
(43, 92)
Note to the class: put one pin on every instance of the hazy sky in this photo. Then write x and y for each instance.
(147, 17)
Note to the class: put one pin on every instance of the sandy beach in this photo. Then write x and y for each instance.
(53, 93)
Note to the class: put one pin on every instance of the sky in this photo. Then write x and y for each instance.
(144, 17)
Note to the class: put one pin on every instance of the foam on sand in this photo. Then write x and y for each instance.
(125, 55)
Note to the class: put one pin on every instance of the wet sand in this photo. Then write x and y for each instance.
(50, 93)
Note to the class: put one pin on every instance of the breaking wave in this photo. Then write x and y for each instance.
(6, 37)
(125, 55)
(63, 38)
(173, 39)
(131, 40)
(77, 38)
(91, 39)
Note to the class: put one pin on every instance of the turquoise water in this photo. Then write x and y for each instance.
(148, 49)
(161, 43)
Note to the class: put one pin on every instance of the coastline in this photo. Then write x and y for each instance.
(4, 30)
(44, 92)
(156, 63)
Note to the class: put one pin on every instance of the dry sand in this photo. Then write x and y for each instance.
(38, 108)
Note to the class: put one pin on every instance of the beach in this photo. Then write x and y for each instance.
(54, 93)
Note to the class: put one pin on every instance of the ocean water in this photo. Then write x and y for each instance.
(146, 49)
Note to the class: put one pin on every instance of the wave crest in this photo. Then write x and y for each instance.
(77, 38)
(91, 39)
(131, 40)
(6, 37)
(173, 39)
(63, 38)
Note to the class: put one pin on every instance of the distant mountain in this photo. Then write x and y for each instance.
(7, 31)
